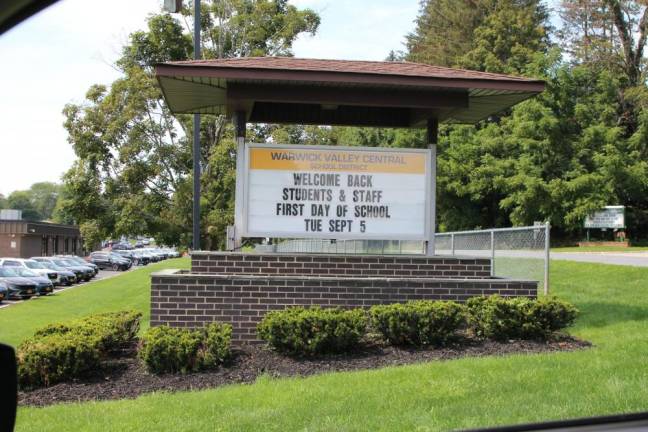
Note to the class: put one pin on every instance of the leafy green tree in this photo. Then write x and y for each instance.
(44, 196)
(511, 36)
(3, 201)
(133, 173)
(22, 200)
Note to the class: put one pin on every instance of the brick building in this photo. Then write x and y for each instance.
(24, 239)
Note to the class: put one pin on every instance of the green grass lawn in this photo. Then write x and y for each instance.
(610, 378)
(128, 291)
(600, 249)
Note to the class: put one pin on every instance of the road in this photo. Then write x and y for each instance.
(103, 274)
(637, 259)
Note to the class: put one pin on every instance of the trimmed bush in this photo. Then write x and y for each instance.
(49, 360)
(113, 329)
(167, 349)
(418, 323)
(215, 345)
(547, 316)
(301, 331)
(66, 350)
(519, 318)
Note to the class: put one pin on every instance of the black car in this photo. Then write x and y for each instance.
(107, 260)
(80, 261)
(18, 286)
(81, 272)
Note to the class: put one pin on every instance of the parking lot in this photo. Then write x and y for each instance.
(103, 274)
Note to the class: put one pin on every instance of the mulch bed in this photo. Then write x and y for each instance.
(123, 375)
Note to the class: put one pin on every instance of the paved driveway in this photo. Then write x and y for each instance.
(639, 259)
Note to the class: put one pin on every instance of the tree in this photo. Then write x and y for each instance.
(510, 38)
(489, 35)
(133, 173)
(444, 31)
(44, 196)
(21, 200)
(3, 201)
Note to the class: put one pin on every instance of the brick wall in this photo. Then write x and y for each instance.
(192, 300)
(339, 265)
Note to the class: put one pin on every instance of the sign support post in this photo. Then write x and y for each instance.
(432, 137)
(240, 121)
(196, 141)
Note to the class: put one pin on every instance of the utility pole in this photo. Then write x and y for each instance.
(196, 140)
(175, 6)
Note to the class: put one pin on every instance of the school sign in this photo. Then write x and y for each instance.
(336, 192)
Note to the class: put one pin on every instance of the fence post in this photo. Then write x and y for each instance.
(452, 244)
(546, 263)
(492, 239)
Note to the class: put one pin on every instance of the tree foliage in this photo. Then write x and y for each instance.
(133, 173)
(578, 146)
(36, 203)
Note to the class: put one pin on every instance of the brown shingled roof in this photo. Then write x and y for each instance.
(351, 66)
(345, 92)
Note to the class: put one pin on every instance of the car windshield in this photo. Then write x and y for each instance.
(70, 262)
(62, 263)
(25, 272)
(8, 272)
(35, 265)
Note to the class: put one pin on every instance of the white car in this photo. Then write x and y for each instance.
(32, 265)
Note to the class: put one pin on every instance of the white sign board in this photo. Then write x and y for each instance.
(336, 192)
(608, 217)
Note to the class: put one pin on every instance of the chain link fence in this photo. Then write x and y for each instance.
(516, 253)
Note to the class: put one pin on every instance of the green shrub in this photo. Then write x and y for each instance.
(215, 345)
(518, 318)
(66, 350)
(43, 361)
(167, 349)
(302, 331)
(548, 315)
(112, 328)
(418, 323)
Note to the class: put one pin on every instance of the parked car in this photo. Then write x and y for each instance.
(172, 253)
(44, 286)
(158, 254)
(128, 254)
(80, 261)
(153, 257)
(18, 287)
(66, 276)
(109, 260)
(4, 291)
(82, 272)
(89, 270)
(143, 257)
(32, 265)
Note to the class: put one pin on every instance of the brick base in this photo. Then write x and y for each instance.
(340, 265)
(244, 296)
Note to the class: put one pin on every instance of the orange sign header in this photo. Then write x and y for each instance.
(337, 160)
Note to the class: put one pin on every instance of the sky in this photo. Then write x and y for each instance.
(52, 58)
